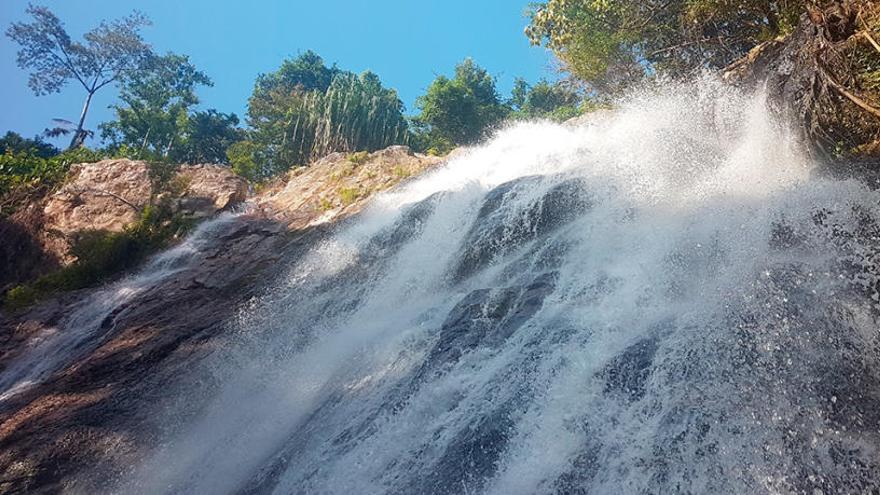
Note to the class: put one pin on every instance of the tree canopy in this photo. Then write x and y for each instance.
(106, 54)
(13, 142)
(155, 101)
(305, 110)
(461, 110)
(611, 43)
(545, 100)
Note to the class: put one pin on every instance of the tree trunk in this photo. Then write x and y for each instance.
(79, 136)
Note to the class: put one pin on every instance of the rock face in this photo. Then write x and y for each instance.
(110, 194)
(99, 196)
(209, 189)
(88, 416)
(106, 196)
(338, 184)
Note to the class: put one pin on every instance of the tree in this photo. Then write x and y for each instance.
(610, 43)
(306, 72)
(519, 94)
(545, 100)
(305, 110)
(461, 110)
(108, 53)
(244, 160)
(154, 114)
(207, 136)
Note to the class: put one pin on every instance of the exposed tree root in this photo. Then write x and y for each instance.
(851, 97)
(825, 76)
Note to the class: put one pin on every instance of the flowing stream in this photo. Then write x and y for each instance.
(668, 299)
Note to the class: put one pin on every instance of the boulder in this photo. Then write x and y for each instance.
(109, 195)
(216, 187)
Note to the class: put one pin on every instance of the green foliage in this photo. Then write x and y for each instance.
(155, 121)
(161, 175)
(306, 110)
(13, 143)
(325, 205)
(106, 54)
(402, 172)
(207, 136)
(25, 175)
(101, 254)
(611, 43)
(348, 195)
(155, 108)
(553, 101)
(459, 111)
(359, 157)
(243, 158)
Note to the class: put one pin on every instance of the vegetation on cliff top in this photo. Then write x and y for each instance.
(296, 114)
(610, 45)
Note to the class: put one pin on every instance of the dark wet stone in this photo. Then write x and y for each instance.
(472, 457)
(498, 231)
(628, 372)
(488, 318)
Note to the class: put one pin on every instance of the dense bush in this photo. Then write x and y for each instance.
(611, 44)
(13, 143)
(545, 100)
(460, 110)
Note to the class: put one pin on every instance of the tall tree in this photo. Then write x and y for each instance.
(107, 53)
(154, 113)
(305, 110)
(459, 111)
(207, 136)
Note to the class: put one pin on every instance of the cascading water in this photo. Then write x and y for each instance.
(85, 328)
(669, 299)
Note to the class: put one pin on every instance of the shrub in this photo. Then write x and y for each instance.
(348, 195)
(359, 158)
(25, 175)
(101, 255)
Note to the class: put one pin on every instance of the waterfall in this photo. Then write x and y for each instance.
(670, 297)
(84, 329)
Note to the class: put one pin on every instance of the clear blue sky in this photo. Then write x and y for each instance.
(406, 42)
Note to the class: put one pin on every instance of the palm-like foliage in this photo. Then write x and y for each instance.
(306, 110)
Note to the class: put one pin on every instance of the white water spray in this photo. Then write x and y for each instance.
(667, 300)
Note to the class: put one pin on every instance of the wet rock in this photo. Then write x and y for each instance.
(155, 339)
(472, 457)
(627, 373)
(499, 231)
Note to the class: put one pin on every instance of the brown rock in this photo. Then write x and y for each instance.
(110, 195)
(215, 183)
(99, 196)
(339, 184)
(87, 422)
